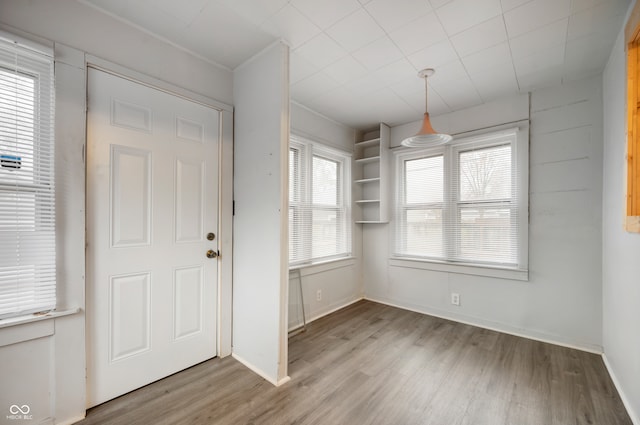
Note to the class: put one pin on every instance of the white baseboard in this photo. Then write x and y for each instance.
(326, 313)
(70, 421)
(523, 333)
(260, 372)
(625, 400)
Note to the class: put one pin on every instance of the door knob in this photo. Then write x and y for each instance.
(211, 236)
(211, 254)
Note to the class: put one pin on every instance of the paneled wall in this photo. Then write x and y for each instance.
(561, 302)
(620, 249)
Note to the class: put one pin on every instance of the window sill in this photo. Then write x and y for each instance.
(29, 318)
(315, 268)
(470, 269)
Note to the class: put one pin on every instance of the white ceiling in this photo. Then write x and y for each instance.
(356, 60)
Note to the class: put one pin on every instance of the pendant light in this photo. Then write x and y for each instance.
(427, 136)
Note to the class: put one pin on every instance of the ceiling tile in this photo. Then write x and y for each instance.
(434, 56)
(392, 14)
(185, 11)
(512, 4)
(291, 25)
(539, 39)
(495, 82)
(395, 71)
(459, 15)
(460, 94)
(487, 58)
(540, 62)
(535, 14)
(486, 34)
(437, 3)
(365, 85)
(579, 5)
(419, 34)
(345, 34)
(329, 102)
(378, 54)
(388, 107)
(256, 11)
(321, 51)
(541, 79)
(598, 19)
(312, 87)
(212, 29)
(300, 68)
(326, 12)
(587, 55)
(452, 71)
(345, 70)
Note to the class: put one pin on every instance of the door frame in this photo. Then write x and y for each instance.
(225, 188)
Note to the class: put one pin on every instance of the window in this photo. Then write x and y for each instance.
(465, 203)
(319, 203)
(27, 220)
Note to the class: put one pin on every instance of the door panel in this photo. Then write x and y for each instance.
(152, 191)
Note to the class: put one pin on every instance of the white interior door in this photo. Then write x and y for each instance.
(152, 194)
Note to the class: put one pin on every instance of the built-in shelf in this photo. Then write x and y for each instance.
(371, 174)
(372, 180)
(368, 159)
(371, 142)
(371, 222)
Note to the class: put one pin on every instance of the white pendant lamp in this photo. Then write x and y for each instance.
(427, 136)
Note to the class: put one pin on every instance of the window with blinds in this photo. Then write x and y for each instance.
(27, 206)
(319, 203)
(463, 202)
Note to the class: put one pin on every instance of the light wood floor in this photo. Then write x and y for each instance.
(374, 364)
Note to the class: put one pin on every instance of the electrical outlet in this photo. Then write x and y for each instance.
(455, 298)
(319, 295)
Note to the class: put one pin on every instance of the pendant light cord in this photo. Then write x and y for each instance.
(426, 93)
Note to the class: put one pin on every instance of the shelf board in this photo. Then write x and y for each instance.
(367, 201)
(372, 222)
(366, 143)
(371, 180)
(368, 159)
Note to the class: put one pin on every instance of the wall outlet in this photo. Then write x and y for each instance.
(319, 295)
(455, 298)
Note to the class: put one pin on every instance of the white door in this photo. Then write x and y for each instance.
(152, 200)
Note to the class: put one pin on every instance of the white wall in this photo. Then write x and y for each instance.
(621, 250)
(561, 302)
(45, 361)
(340, 282)
(42, 364)
(83, 27)
(260, 264)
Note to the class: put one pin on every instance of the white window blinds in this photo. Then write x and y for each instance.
(319, 200)
(463, 202)
(27, 219)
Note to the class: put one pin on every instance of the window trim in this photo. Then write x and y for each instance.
(632, 45)
(39, 67)
(309, 149)
(485, 137)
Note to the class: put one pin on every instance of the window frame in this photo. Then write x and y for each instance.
(632, 45)
(36, 63)
(303, 204)
(451, 261)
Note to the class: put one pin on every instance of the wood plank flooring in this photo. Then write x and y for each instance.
(374, 364)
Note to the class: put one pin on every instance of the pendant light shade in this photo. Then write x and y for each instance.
(427, 136)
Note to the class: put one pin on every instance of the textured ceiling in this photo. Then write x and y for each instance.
(355, 61)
